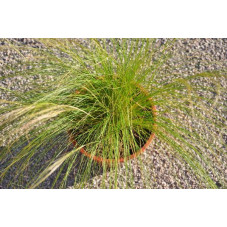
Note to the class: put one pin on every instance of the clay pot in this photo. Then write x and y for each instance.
(123, 159)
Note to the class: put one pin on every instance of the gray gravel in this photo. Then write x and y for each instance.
(165, 169)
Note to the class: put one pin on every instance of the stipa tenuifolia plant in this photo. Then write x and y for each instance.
(95, 107)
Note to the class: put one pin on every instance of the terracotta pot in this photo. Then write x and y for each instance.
(120, 160)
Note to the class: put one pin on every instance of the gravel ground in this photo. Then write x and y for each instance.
(165, 169)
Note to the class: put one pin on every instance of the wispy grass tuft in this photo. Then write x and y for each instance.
(99, 99)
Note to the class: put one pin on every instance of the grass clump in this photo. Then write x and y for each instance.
(100, 97)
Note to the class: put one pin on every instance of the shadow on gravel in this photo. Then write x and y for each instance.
(13, 180)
